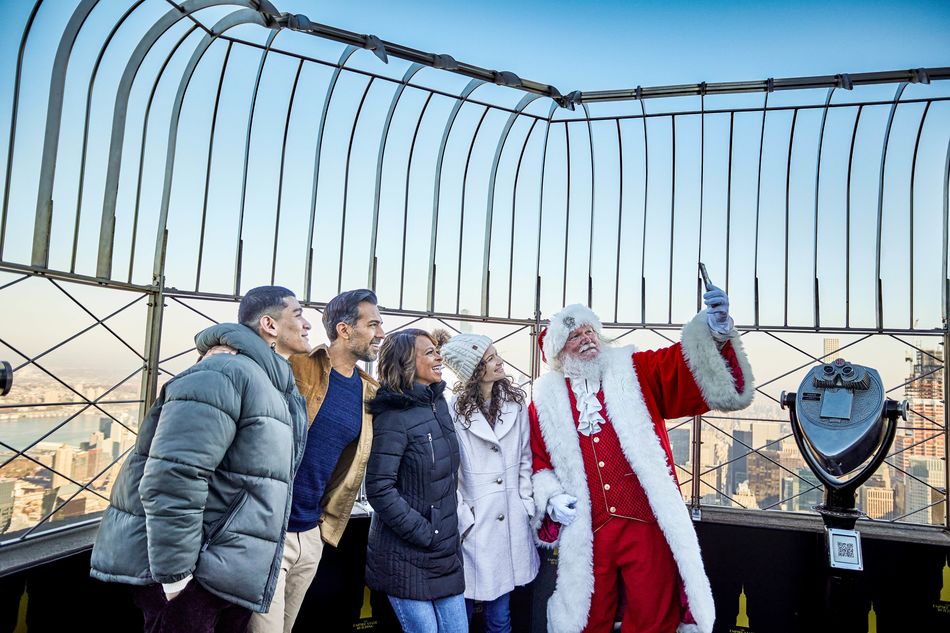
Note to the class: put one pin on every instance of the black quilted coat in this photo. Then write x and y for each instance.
(411, 482)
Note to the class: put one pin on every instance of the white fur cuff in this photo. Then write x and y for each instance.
(711, 372)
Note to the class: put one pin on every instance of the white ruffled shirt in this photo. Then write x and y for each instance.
(588, 406)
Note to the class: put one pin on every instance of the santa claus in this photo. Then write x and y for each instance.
(604, 484)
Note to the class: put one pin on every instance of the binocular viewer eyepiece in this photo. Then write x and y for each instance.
(6, 377)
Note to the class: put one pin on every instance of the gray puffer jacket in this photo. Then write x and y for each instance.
(207, 489)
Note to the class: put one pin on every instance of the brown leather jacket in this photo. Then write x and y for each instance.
(312, 373)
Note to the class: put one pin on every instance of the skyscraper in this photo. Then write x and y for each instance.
(924, 394)
(830, 349)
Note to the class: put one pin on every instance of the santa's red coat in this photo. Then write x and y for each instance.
(640, 390)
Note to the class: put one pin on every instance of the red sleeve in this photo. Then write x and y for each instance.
(540, 459)
(666, 379)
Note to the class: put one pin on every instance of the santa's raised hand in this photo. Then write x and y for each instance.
(717, 310)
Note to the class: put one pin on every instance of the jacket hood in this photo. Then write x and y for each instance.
(419, 395)
(248, 343)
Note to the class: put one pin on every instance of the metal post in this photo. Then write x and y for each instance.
(695, 494)
(153, 343)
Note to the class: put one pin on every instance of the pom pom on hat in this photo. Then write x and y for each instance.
(462, 352)
(552, 339)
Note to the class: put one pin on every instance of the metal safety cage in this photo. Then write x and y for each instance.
(178, 154)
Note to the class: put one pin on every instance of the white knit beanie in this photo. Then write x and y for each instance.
(463, 352)
(554, 336)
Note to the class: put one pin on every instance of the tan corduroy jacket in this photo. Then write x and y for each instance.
(312, 372)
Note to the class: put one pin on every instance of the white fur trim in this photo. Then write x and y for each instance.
(688, 628)
(544, 485)
(570, 603)
(711, 372)
(563, 323)
(641, 446)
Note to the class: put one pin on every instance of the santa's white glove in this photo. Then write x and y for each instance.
(561, 508)
(717, 311)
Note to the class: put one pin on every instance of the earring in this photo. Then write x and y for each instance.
(273, 346)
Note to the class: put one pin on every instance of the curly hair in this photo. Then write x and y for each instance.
(470, 397)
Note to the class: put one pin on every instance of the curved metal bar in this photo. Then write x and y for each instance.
(85, 129)
(346, 184)
(522, 104)
(468, 161)
(758, 197)
(380, 155)
(204, 201)
(619, 222)
(879, 292)
(13, 117)
(239, 243)
(537, 246)
(469, 88)
(514, 194)
(913, 174)
(669, 293)
(847, 230)
(702, 188)
(114, 164)
(593, 200)
(308, 273)
(821, 140)
(280, 173)
(43, 221)
(242, 16)
(567, 210)
(405, 207)
(788, 184)
(646, 189)
(732, 120)
(945, 304)
(142, 145)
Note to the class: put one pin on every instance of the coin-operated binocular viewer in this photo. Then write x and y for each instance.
(844, 426)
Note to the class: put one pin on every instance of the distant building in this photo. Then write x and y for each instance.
(924, 394)
(830, 349)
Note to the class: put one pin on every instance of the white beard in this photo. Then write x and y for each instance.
(578, 369)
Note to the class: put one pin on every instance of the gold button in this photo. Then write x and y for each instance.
(596, 440)
(601, 464)
(606, 486)
(612, 509)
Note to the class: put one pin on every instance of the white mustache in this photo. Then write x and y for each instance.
(589, 346)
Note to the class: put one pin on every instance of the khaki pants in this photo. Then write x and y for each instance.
(302, 552)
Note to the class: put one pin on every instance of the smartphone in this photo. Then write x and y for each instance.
(705, 276)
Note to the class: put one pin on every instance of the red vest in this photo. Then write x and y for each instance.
(615, 490)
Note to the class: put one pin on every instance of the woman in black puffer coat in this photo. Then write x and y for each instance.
(413, 553)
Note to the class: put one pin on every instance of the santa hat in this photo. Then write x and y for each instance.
(552, 339)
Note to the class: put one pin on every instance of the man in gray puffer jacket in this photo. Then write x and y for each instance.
(200, 507)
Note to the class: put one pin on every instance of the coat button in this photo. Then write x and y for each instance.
(612, 509)
(436, 531)
(501, 517)
(606, 486)
(499, 480)
(601, 464)
(494, 449)
(596, 440)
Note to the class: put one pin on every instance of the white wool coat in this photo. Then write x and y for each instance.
(495, 502)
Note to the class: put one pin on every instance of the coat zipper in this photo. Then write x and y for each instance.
(222, 527)
(431, 449)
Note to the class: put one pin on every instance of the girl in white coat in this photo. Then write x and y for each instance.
(495, 502)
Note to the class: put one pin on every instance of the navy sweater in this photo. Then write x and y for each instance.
(336, 424)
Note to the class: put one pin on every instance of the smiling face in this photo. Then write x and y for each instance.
(364, 337)
(428, 362)
(583, 343)
(290, 329)
(494, 369)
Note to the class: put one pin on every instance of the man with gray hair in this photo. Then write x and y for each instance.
(605, 488)
(199, 509)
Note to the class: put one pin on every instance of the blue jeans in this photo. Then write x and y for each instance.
(445, 615)
(496, 614)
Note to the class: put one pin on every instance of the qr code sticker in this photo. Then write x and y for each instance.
(845, 550)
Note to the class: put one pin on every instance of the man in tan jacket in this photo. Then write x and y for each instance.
(338, 447)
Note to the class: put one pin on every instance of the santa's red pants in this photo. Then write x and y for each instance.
(638, 553)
